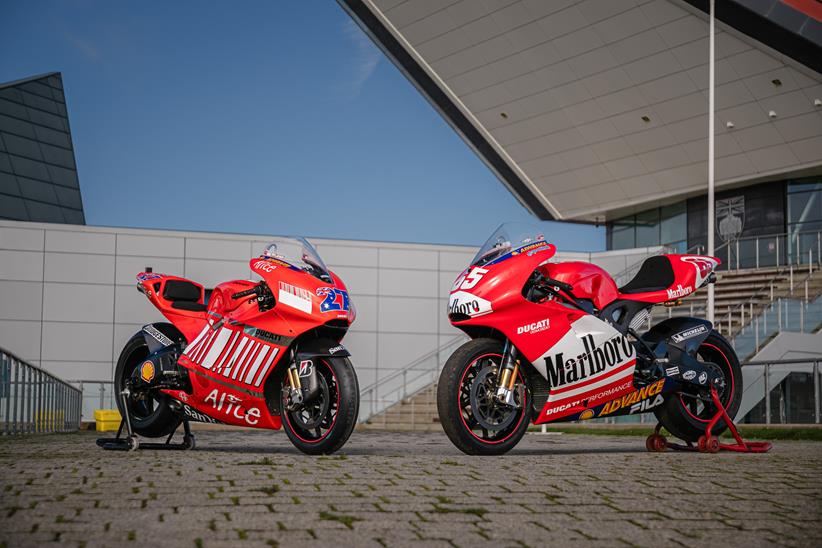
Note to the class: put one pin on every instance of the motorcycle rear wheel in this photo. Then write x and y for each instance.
(151, 417)
(686, 417)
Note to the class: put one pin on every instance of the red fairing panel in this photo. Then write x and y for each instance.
(589, 281)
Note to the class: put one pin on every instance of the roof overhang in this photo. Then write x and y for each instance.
(589, 110)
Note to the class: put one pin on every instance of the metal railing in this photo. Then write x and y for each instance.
(33, 400)
(407, 381)
(96, 395)
(770, 250)
(786, 402)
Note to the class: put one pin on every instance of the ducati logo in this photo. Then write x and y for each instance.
(535, 327)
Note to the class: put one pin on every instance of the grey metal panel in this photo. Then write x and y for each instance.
(79, 242)
(72, 302)
(21, 300)
(408, 283)
(133, 307)
(408, 258)
(21, 239)
(224, 250)
(149, 246)
(406, 315)
(79, 267)
(359, 280)
(398, 350)
(22, 338)
(77, 342)
(21, 265)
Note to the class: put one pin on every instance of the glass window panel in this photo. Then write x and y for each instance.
(63, 176)
(29, 168)
(22, 146)
(52, 136)
(13, 109)
(46, 119)
(74, 216)
(59, 156)
(622, 234)
(45, 213)
(647, 228)
(8, 184)
(805, 206)
(804, 186)
(5, 163)
(13, 208)
(68, 197)
(37, 190)
(674, 224)
(16, 126)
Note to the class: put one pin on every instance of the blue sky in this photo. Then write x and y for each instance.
(255, 117)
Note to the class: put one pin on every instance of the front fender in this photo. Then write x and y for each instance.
(322, 347)
(686, 334)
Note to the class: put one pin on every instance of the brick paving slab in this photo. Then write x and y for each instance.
(248, 488)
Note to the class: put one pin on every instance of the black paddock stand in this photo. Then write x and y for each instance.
(132, 442)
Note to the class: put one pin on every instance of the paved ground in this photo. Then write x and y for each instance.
(252, 488)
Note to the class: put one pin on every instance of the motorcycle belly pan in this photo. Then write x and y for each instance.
(590, 365)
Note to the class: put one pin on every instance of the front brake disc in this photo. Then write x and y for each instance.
(489, 413)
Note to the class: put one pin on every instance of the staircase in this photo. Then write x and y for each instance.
(416, 413)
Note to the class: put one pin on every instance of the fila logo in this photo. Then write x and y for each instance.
(232, 354)
(306, 368)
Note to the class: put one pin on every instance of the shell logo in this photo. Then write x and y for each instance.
(587, 414)
(147, 371)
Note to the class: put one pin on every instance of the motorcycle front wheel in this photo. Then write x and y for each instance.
(323, 426)
(470, 416)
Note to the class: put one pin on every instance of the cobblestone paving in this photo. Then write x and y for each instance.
(253, 489)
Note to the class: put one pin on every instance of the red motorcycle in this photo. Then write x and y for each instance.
(558, 341)
(262, 354)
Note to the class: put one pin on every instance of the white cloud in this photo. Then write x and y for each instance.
(364, 63)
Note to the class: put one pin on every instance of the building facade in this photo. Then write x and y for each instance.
(38, 172)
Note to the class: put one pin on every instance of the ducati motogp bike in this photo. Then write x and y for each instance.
(263, 354)
(558, 341)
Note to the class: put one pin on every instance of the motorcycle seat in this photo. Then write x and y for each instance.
(184, 295)
(655, 274)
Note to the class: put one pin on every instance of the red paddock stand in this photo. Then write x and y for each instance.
(709, 443)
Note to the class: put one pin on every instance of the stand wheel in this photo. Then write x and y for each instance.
(189, 442)
(133, 443)
(656, 443)
(712, 444)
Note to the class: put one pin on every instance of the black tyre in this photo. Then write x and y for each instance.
(471, 418)
(324, 426)
(150, 415)
(687, 417)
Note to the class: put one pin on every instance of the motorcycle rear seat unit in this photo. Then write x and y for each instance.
(655, 274)
(183, 295)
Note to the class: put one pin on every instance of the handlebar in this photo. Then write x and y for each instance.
(247, 293)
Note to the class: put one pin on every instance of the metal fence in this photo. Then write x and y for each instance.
(35, 401)
(96, 395)
(790, 392)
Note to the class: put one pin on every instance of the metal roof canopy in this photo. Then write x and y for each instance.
(588, 110)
